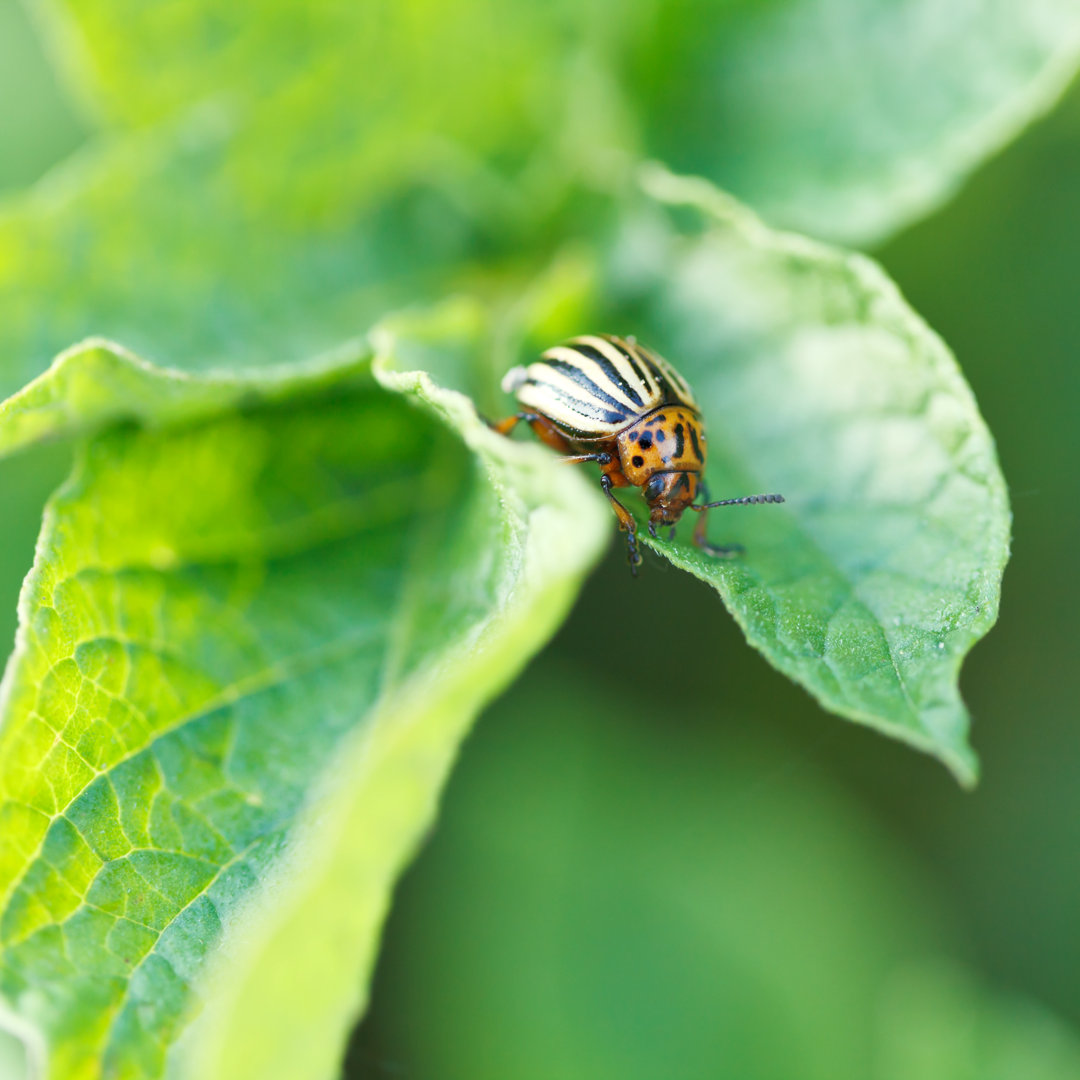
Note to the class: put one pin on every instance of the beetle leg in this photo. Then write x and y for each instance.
(504, 427)
(545, 430)
(717, 551)
(626, 523)
(655, 536)
(576, 459)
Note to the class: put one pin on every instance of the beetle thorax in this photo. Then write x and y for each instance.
(669, 439)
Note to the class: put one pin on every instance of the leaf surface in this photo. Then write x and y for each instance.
(281, 580)
(248, 641)
(817, 381)
(173, 244)
(846, 119)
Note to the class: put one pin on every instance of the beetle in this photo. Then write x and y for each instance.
(611, 400)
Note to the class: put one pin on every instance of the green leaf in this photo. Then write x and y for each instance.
(273, 505)
(443, 63)
(252, 202)
(97, 383)
(249, 647)
(178, 245)
(285, 590)
(816, 380)
(842, 118)
(846, 119)
(255, 203)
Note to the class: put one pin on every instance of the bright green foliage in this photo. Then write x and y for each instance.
(816, 380)
(284, 576)
(280, 205)
(228, 279)
(844, 118)
(223, 625)
(97, 383)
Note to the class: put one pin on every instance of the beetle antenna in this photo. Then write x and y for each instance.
(746, 500)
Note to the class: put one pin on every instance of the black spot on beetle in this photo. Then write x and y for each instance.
(645, 441)
(679, 440)
(695, 445)
(637, 461)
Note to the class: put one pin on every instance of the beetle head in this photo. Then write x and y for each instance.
(669, 494)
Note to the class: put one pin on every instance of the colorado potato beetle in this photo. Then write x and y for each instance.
(611, 400)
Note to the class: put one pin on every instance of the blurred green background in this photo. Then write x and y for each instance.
(682, 867)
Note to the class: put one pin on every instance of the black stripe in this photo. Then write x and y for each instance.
(694, 443)
(611, 371)
(582, 408)
(679, 442)
(633, 361)
(670, 390)
(583, 380)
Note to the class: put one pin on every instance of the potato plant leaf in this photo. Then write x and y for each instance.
(285, 574)
(817, 381)
(249, 646)
(171, 244)
(97, 383)
(846, 119)
(805, 109)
